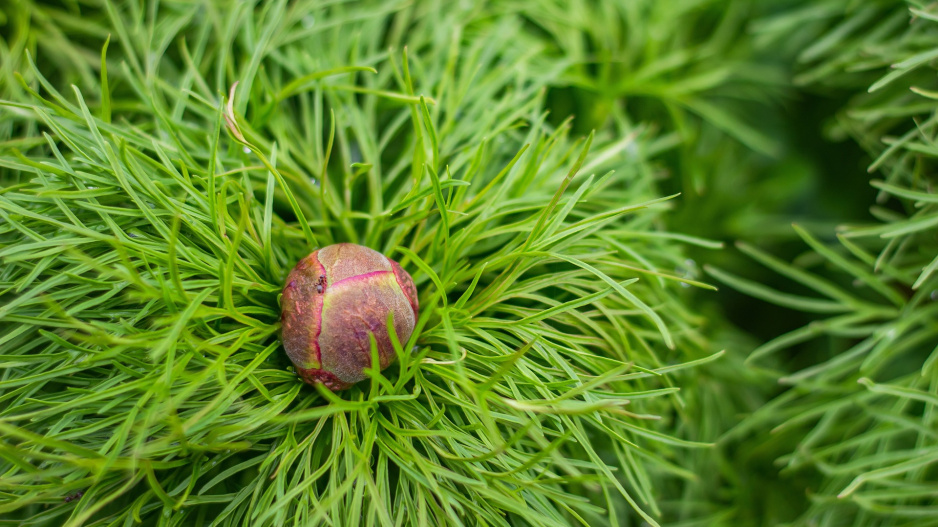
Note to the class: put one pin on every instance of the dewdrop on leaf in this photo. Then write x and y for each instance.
(334, 299)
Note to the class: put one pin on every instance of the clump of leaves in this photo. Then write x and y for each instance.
(863, 414)
(149, 223)
(688, 66)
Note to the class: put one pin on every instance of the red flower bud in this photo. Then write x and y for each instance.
(333, 300)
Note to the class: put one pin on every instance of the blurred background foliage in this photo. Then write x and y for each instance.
(766, 113)
(782, 112)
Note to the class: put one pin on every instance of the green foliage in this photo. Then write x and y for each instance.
(862, 412)
(685, 66)
(148, 223)
(163, 165)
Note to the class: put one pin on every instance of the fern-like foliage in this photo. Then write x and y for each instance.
(149, 216)
(863, 413)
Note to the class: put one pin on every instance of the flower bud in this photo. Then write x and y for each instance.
(334, 299)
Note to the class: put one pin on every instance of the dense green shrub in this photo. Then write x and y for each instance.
(164, 164)
(858, 413)
(149, 223)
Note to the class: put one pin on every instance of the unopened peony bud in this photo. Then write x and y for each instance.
(333, 300)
